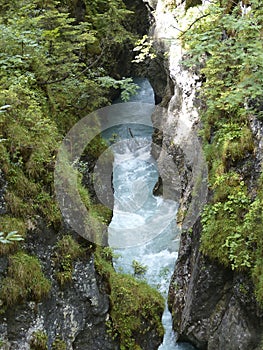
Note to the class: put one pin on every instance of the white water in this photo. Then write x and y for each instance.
(141, 222)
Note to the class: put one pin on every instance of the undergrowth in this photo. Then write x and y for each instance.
(136, 308)
(225, 46)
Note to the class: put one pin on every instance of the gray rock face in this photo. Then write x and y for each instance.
(76, 313)
(212, 307)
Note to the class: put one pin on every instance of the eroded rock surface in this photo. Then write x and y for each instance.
(212, 307)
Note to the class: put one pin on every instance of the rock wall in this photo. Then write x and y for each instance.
(212, 307)
(76, 312)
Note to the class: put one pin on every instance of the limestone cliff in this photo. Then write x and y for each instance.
(212, 306)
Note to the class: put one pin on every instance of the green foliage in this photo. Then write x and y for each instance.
(54, 63)
(136, 308)
(103, 261)
(144, 49)
(67, 250)
(10, 237)
(225, 45)
(14, 225)
(225, 236)
(232, 48)
(59, 344)
(39, 341)
(96, 147)
(102, 212)
(24, 280)
(126, 86)
(232, 142)
(138, 268)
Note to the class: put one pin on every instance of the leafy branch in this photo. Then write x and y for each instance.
(192, 24)
(10, 238)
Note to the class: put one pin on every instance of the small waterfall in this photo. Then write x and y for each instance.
(144, 225)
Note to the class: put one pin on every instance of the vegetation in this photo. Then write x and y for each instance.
(24, 280)
(39, 341)
(58, 63)
(11, 225)
(136, 308)
(225, 45)
(59, 344)
(66, 251)
(138, 268)
(10, 237)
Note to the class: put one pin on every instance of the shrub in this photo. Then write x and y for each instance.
(230, 49)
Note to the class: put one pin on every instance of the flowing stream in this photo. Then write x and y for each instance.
(144, 221)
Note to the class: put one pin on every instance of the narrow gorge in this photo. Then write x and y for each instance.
(150, 235)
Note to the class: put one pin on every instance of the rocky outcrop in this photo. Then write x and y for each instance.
(75, 313)
(212, 307)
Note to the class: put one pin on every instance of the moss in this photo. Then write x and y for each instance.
(47, 206)
(224, 235)
(234, 147)
(96, 147)
(136, 308)
(232, 142)
(39, 341)
(59, 344)
(103, 212)
(226, 184)
(67, 250)
(24, 280)
(103, 261)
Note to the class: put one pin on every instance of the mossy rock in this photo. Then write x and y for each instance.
(136, 309)
(24, 280)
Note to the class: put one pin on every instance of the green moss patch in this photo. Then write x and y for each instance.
(136, 308)
(24, 280)
(67, 250)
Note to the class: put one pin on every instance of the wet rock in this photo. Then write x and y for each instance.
(212, 307)
(76, 312)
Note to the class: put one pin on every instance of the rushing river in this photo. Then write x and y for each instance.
(145, 222)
